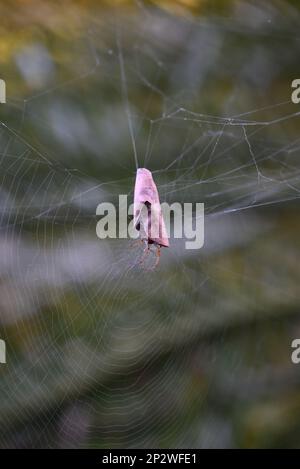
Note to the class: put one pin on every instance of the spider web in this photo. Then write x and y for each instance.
(101, 353)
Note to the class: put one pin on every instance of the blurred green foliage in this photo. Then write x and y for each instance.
(101, 353)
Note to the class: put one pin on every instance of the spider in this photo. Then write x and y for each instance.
(147, 250)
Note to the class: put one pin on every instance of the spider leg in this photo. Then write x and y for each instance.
(157, 257)
(137, 242)
(157, 254)
(145, 252)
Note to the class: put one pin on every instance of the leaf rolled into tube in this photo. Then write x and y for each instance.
(148, 218)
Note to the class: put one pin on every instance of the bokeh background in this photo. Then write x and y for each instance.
(102, 353)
